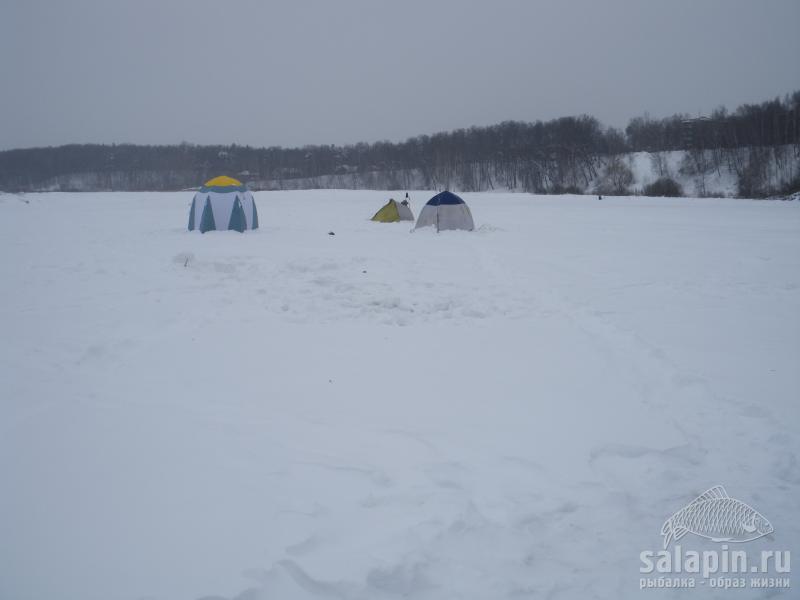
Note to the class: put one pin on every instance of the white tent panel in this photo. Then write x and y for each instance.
(446, 216)
(404, 211)
(427, 216)
(222, 207)
(247, 204)
(455, 216)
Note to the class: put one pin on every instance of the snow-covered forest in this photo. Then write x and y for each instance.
(753, 151)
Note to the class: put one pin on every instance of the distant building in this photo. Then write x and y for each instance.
(694, 131)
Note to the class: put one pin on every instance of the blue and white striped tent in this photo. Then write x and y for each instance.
(446, 211)
(223, 203)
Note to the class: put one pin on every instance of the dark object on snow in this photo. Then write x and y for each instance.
(599, 197)
(331, 233)
(665, 186)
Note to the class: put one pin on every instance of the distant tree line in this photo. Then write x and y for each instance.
(772, 123)
(560, 155)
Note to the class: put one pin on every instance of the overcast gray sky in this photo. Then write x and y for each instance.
(316, 72)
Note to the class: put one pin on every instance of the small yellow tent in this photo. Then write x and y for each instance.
(392, 212)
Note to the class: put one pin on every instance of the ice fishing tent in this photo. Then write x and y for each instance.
(446, 211)
(223, 203)
(394, 211)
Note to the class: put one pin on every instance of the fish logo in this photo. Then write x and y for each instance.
(718, 517)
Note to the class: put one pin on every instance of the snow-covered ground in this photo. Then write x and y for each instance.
(507, 413)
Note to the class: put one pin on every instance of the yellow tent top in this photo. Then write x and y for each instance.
(223, 181)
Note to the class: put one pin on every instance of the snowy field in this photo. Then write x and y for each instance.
(286, 414)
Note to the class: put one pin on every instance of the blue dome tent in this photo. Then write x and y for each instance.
(446, 211)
